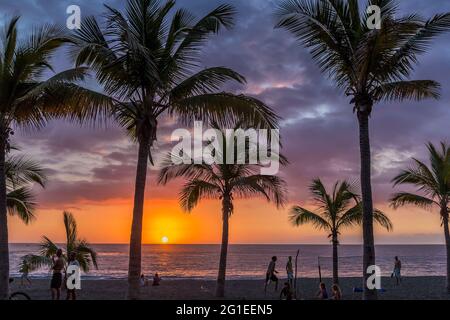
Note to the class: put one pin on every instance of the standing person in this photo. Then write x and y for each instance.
(290, 271)
(271, 274)
(71, 293)
(57, 267)
(397, 270)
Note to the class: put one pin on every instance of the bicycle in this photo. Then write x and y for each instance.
(18, 295)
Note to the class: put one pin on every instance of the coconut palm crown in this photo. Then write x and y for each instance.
(433, 189)
(226, 181)
(336, 211)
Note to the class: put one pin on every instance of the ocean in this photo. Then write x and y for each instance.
(249, 261)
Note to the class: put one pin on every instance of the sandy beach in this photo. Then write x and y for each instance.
(413, 288)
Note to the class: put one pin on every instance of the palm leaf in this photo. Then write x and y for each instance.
(21, 203)
(300, 216)
(405, 198)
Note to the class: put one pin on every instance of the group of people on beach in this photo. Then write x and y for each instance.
(287, 291)
(145, 282)
(336, 293)
(58, 267)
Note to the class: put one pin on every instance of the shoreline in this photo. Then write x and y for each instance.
(412, 288)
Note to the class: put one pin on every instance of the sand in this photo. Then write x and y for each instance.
(413, 288)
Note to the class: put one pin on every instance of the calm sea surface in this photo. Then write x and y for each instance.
(250, 261)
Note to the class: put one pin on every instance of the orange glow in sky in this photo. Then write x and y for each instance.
(254, 221)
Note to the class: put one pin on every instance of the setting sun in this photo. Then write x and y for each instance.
(164, 239)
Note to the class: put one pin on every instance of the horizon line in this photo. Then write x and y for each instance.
(250, 244)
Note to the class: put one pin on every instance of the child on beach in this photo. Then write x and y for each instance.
(143, 281)
(286, 292)
(323, 293)
(336, 291)
(156, 280)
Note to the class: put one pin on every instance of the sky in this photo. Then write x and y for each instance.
(91, 170)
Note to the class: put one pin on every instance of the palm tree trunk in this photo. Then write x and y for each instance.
(447, 243)
(220, 289)
(4, 249)
(134, 265)
(335, 261)
(366, 190)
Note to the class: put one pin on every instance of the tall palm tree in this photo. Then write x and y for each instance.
(148, 60)
(84, 253)
(369, 65)
(225, 182)
(340, 209)
(433, 185)
(27, 99)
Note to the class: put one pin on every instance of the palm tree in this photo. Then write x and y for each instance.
(27, 100)
(225, 182)
(21, 173)
(338, 210)
(85, 254)
(368, 65)
(433, 185)
(148, 60)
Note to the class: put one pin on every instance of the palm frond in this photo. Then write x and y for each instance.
(206, 81)
(70, 226)
(196, 190)
(85, 255)
(383, 220)
(405, 198)
(21, 203)
(272, 188)
(225, 109)
(300, 216)
(23, 171)
(354, 217)
(48, 248)
(408, 90)
(31, 262)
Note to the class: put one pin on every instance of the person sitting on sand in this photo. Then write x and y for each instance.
(143, 281)
(290, 272)
(71, 293)
(271, 274)
(156, 280)
(286, 292)
(57, 267)
(323, 293)
(397, 270)
(336, 291)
